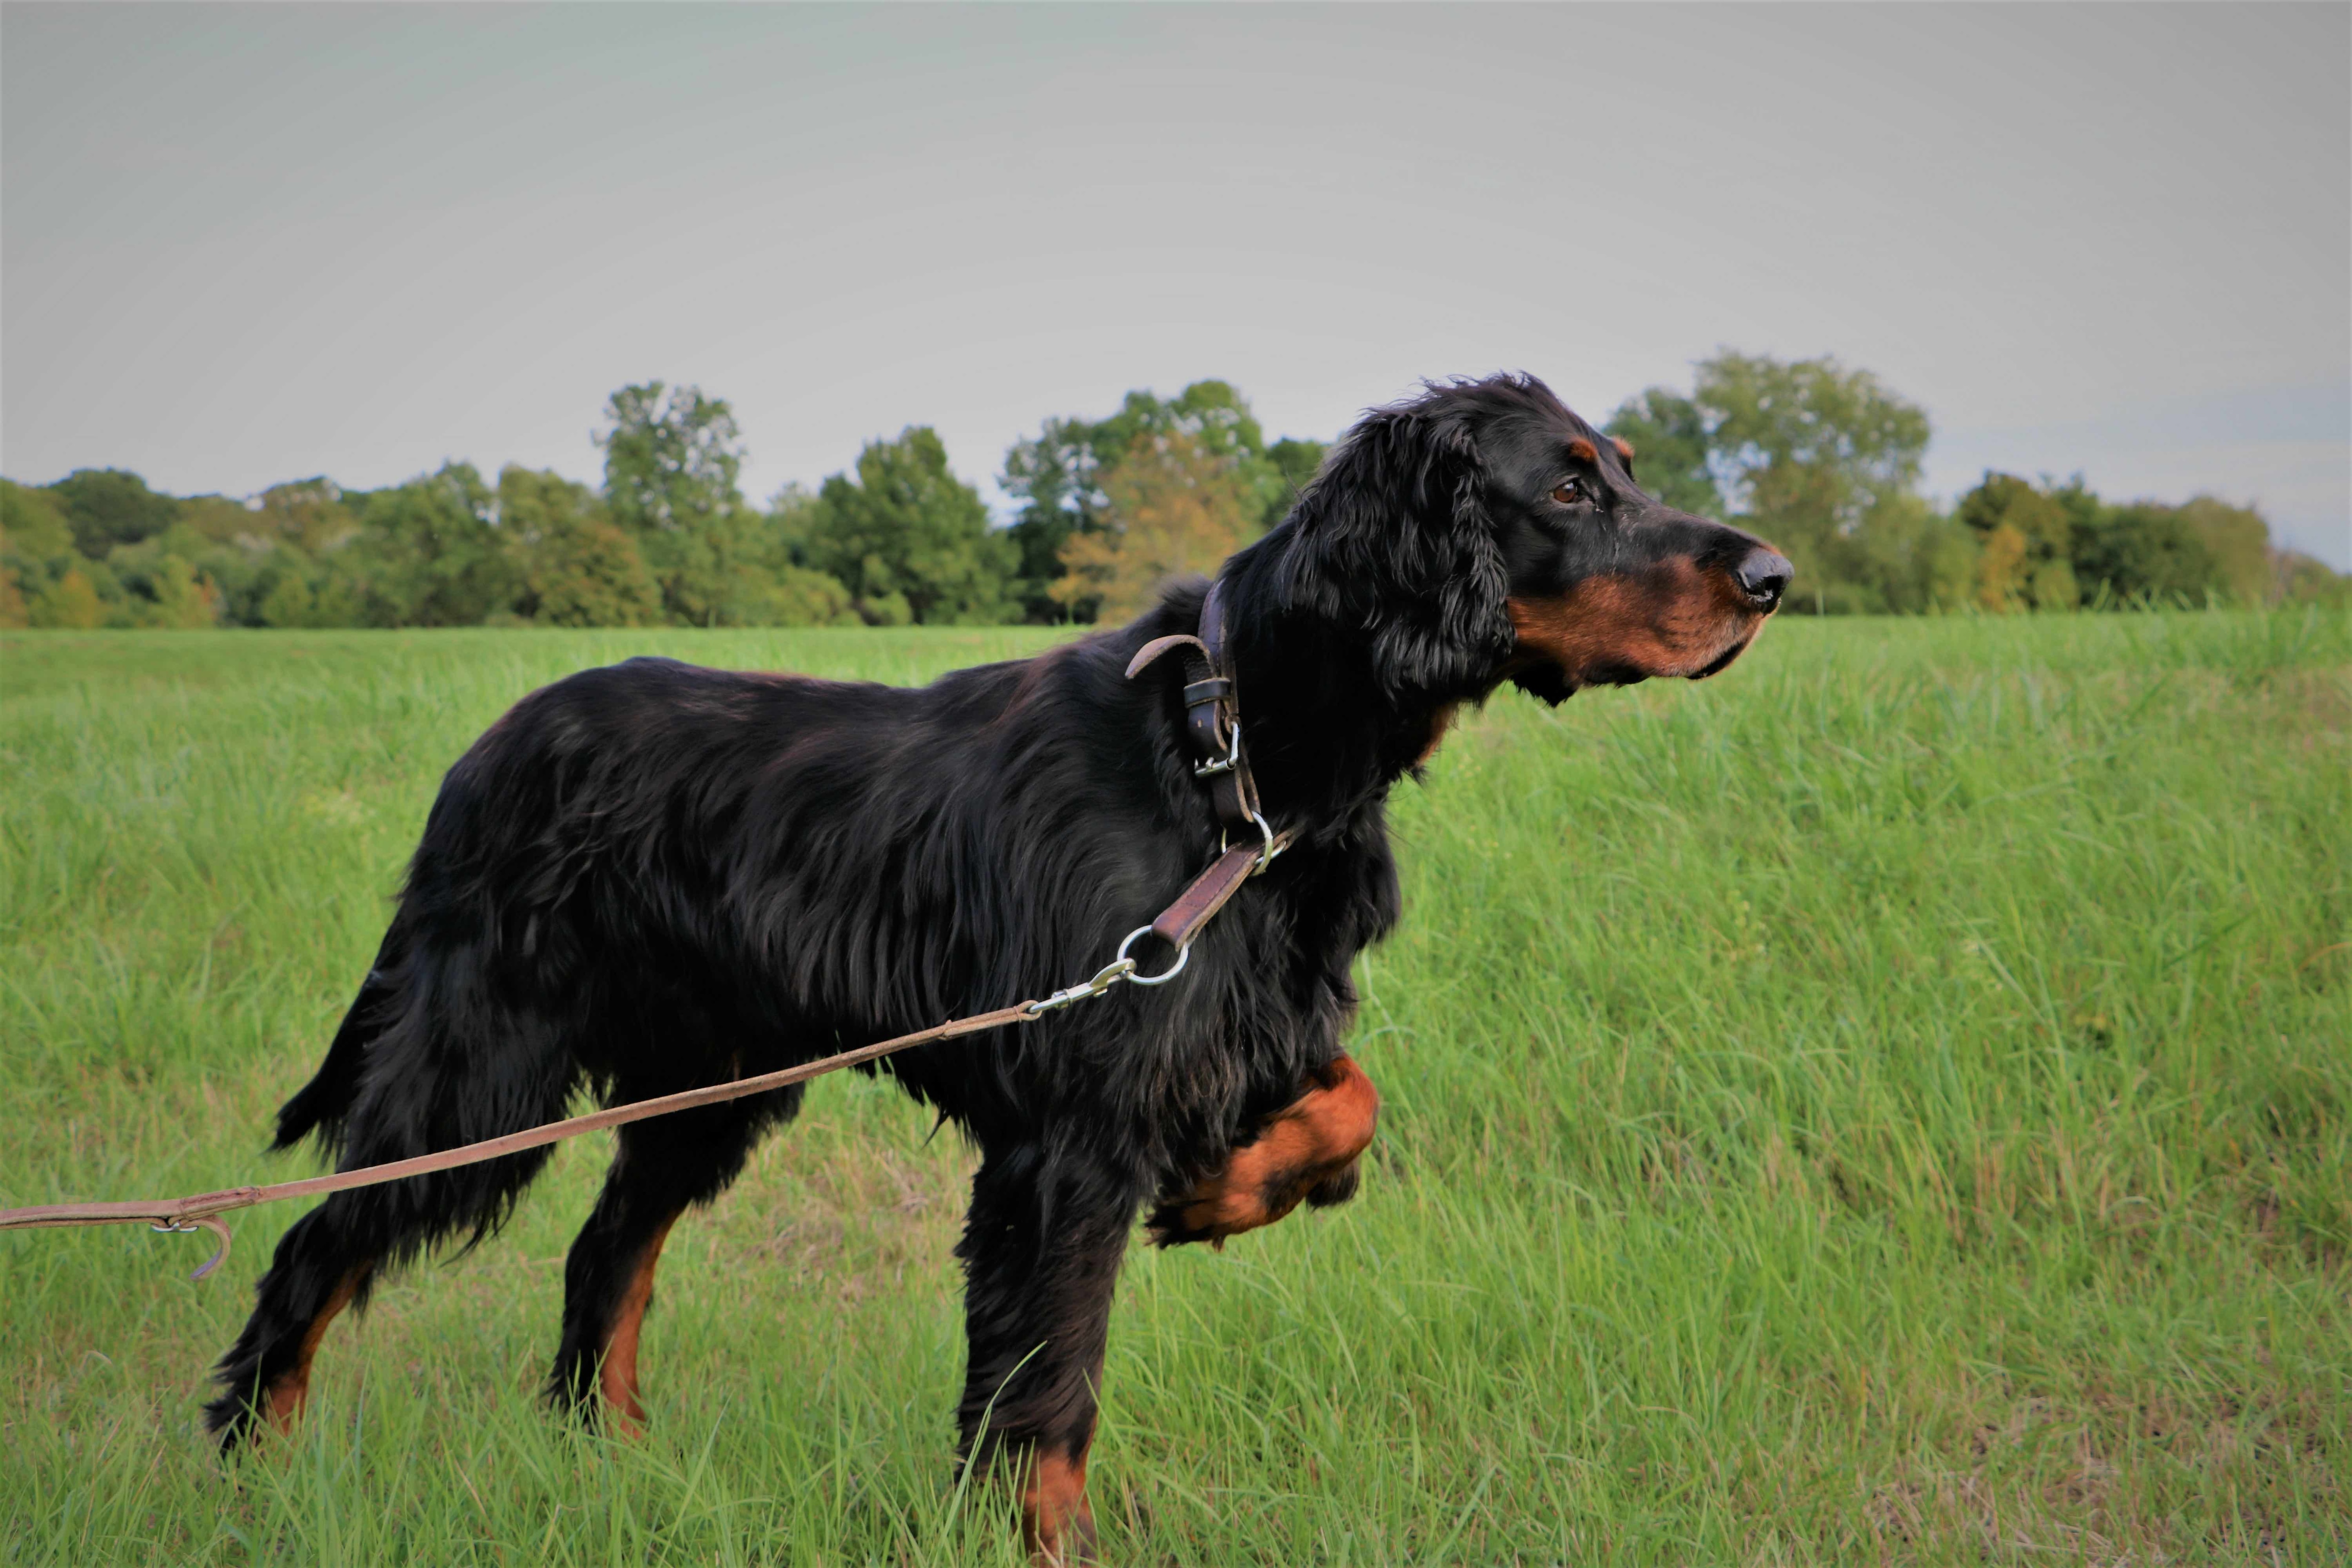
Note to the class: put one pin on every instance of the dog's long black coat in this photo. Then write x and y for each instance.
(652, 876)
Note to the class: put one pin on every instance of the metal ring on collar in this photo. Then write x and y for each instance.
(1265, 854)
(1183, 956)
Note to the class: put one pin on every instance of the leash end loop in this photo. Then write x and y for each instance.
(189, 1226)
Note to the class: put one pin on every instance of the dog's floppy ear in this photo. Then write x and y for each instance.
(1392, 537)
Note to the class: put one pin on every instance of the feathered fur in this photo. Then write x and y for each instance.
(651, 877)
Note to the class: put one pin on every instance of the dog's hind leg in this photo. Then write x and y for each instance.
(414, 1099)
(326, 1262)
(265, 1376)
(1040, 1252)
(663, 1166)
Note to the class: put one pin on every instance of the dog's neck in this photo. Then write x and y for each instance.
(1326, 739)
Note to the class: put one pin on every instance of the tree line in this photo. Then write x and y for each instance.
(1824, 460)
(1821, 459)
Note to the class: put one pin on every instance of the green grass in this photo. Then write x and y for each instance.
(1888, 1104)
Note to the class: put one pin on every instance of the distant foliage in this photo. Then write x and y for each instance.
(910, 541)
(2025, 555)
(577, 566)
(1824, 461)
(671, 459)
(1064, 476)
(1172, 506)
(432, 552)
(2060, 547)
(1819, 457)
(107, 506)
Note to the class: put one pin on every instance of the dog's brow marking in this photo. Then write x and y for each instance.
(1624, 447)
(1582, 450)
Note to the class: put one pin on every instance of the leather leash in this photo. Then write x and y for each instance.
(1212, 725)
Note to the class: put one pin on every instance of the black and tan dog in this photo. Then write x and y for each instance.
(654, 877)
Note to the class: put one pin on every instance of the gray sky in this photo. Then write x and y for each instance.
(245, 245)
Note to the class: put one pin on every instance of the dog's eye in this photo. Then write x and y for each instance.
(1569, 494)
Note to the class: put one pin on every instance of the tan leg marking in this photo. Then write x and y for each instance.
(290, 1390)
(1307, 1149)
(616, 1376)
(1057, 1524)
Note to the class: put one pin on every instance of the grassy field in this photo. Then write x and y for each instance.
(1889, 1104)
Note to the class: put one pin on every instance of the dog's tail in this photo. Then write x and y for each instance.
(320, 1105)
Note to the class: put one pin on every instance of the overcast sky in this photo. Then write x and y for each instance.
(244, 245)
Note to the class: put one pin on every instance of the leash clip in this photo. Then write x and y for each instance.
(1120, 967)
(1109, 975)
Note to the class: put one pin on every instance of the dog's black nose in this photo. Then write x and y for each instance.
(1764, 576)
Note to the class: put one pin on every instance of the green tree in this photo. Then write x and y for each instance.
(107, 506)
(1908, 557)
(431, 553)
(33, 521)
(70, 602)
(2239, 542)
(1056, 475)
(2027, 535)
(309, 514)
(790, 592)
(223, 520)
(236, 550)
(2306, 580)
(578, 568)
(180, 597)
(1808, 448)
(36, 549)
(909, 539)
(2145, 551)
(1807, 453)
(796, 596)
(672, 457)
(1061, 475)
(1175, 506)
(288, 600)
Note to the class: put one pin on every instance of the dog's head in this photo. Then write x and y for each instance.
(1483, 531)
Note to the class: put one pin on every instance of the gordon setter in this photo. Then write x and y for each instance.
(654, 877)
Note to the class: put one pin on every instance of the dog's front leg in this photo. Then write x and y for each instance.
(1304, 1152)
(1041, 1253)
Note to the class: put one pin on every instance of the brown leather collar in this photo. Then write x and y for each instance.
(1212, 721)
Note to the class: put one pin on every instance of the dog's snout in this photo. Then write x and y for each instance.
(1763, 575)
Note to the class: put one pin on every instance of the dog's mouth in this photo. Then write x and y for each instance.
(1545, 680)
(1723, 660)
(1618, 630)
